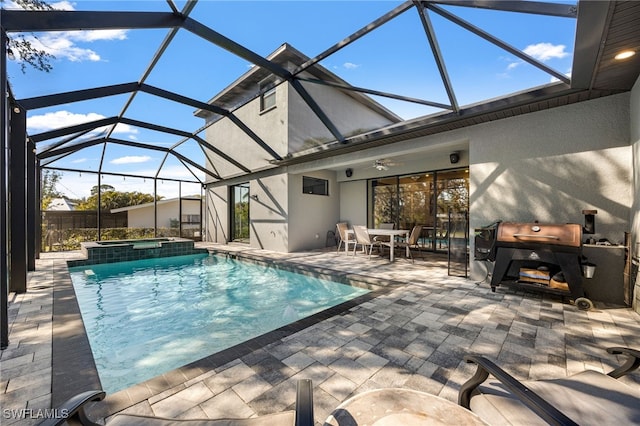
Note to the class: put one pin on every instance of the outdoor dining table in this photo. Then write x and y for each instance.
(393, 233)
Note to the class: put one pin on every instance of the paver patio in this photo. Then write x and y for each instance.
(412, 336)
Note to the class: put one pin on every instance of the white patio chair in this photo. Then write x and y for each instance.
(345, 238)
(364, 239)
(412, 242)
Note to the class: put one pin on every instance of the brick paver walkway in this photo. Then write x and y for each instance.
(411, 336)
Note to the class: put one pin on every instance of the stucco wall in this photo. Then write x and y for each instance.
(270, 126)
(143, 217)
(635, 210)
(353, 202)
(311, 216)
(269, 214)
(552, 164)
(216, 215)
(348, 115)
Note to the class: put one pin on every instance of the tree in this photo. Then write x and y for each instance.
(103, 188)
(48, 191)
(112, 199)
(27, 53)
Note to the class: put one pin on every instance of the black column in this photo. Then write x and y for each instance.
(4, 240)
(32, 205)
(17, 200)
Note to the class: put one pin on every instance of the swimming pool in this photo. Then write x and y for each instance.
(147, 317)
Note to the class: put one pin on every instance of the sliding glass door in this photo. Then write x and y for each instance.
(424, 199)
(239, 202)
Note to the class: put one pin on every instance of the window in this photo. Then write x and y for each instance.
(190, 218)
(239, 203)
(311, 185)
(420, 199)
(268, 97)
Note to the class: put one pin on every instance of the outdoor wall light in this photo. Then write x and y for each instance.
(625, 54)
(349, 172)
(454, 157)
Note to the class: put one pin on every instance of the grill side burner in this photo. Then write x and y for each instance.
(535, 244)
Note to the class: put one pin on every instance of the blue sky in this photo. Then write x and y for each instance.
(395, 58)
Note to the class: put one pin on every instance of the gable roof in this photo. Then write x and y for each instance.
(247, 86)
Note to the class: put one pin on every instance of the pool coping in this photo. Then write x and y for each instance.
(73, 365)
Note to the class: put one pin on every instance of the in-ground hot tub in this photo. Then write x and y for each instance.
(125, 250)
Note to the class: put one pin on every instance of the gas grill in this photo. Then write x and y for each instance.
(534, 256)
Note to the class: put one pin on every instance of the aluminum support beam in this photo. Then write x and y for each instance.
(38, 196)
(33, 204)
(70, 148)
(535, 7)
(4, 240)
(61, 20)
(485, 35)
(355, 36)
(64, 169)
(52, 134)
(376, 93)
(156, 57)
(437, 54)
(216, 151)
(229, 45)
(17, 200)
(297, 85)
(76, 96)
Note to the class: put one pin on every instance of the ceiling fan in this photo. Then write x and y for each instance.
(384, 164)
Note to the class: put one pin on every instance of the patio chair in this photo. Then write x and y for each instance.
(364, 239)
(412, 241)
(586, 398)
(345, 238)
(74, 409)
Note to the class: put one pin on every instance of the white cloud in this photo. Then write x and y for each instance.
(513, 65)
(79, 160)
(130, 159)
(64, 45)
(546, 51)
(61, 119)
(350, 65)
(542, 52)
(63, 5)
(59, 5)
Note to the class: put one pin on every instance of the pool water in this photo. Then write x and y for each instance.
(147, 317)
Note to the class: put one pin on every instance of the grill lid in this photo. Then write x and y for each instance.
(568, 234)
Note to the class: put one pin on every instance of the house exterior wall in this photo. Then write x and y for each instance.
(270, 126)
(353, 202)
(346, 113)
(280, 218)
(635, 210)
(311, 216)
(216, 215)
(546, 166)
(143, 217)
(269, 214)
(552, 164)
